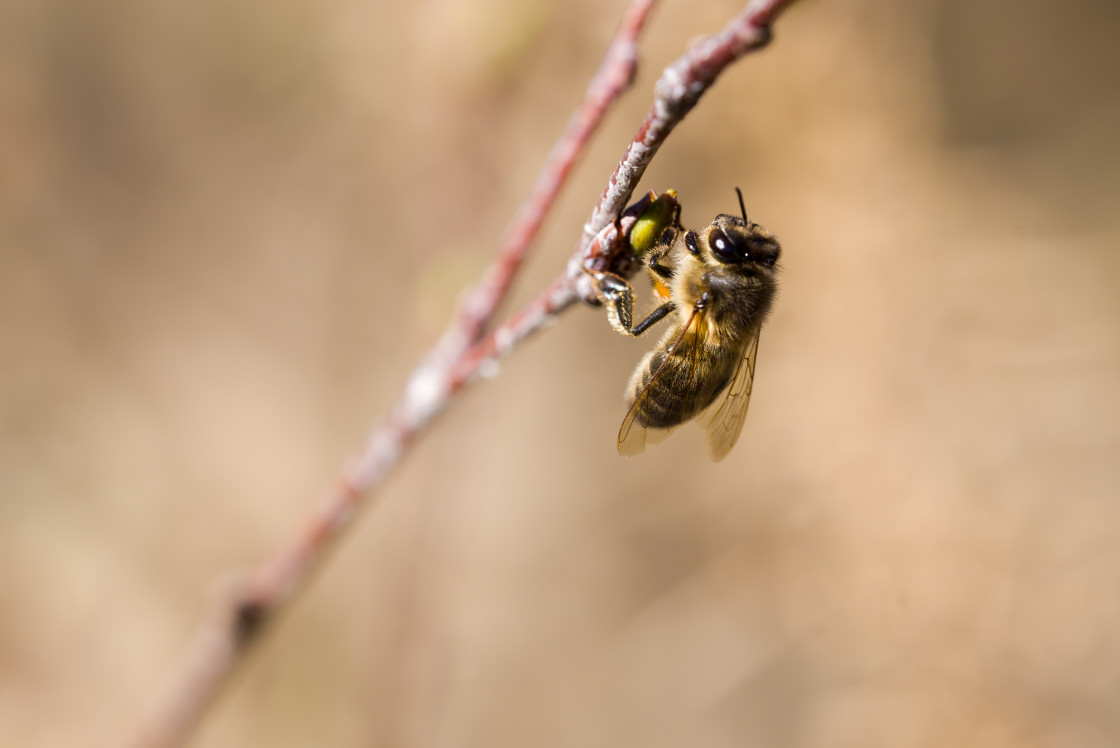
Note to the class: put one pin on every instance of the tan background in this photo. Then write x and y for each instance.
(229, 228)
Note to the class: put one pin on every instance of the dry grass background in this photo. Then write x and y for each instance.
(228, 229)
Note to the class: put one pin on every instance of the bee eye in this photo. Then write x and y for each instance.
(723, 248)
(719, 242)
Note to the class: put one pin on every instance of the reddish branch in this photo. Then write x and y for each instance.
(614, 76)
(465, 351)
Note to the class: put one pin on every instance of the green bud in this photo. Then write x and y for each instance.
(661, 213)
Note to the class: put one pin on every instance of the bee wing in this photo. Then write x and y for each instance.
(724, 418)
(634, 435)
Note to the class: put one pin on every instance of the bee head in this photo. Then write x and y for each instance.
(733, 240)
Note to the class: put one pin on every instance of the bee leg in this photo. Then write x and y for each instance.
(618, 297)
(668, 236)
(655, 316)
(690, 242)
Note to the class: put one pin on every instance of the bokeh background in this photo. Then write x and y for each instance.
(229, 228)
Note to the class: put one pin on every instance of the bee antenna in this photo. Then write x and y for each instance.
(742, 206)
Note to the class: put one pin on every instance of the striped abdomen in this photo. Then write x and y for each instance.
(694, 374)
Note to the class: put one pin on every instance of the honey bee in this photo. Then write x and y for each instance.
(718, 285)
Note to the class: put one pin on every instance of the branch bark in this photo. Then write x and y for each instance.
(466, 349)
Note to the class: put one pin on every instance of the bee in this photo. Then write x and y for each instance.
(717, 284)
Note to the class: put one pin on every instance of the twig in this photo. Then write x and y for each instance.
(464, 351)
(614, 76)
(222, 642)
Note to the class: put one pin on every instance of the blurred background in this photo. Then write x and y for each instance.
(229, 229)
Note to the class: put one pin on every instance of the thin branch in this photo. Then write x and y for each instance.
(615, 75)
(222, 642)
(464, 352)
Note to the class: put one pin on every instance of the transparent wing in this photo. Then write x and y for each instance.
(634, 434)
(724, 418)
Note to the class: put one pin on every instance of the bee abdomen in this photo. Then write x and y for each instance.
(674, 397)
(662, 408)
